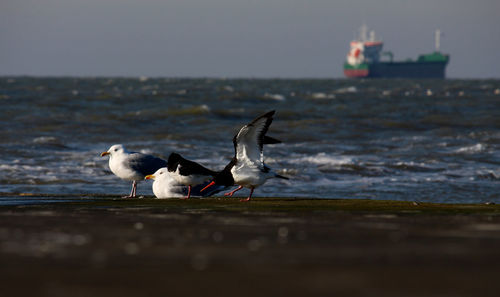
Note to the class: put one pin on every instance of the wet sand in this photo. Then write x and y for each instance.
(106, 246)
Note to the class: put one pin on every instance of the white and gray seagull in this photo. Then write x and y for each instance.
(247, 168)
(132, 166)
(165, 185)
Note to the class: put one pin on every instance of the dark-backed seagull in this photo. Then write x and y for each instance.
(187, 172)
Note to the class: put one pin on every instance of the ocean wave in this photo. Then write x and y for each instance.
(341, 138)
(276, 97)
(49, 141)
(191, 110)
(488, 175)
(347, 90)
(414, 167)
(22, 168)
(334, 164)
(326, 159)
(471, 149)
(353, 169)
(321, 96)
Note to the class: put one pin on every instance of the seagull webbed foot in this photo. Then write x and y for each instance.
(230, 194)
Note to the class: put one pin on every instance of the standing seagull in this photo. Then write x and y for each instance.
(132, 166)
(247, 168)
(187, 172)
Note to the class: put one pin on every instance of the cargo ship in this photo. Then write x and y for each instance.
(366, 59)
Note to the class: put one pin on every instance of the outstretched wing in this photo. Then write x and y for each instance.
(188, 167)
(249, 141)
(145, 164)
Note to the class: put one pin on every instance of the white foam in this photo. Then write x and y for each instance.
(325, 159)
(204, 107)
(228, 88)
(46, 140)
(351, 89)
(322, 96)
(471, 149)
(277, 97)
(411, 164)
(21, 167)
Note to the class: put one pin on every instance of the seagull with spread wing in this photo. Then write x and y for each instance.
(247, 168)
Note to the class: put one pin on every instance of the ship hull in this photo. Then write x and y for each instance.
(397, 70)
(362, 70)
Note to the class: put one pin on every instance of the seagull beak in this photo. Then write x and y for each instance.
(149, 176)
(104, 154)
(208, 186)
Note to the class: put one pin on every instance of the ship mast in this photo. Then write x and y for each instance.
(437, 38)
(372, 36)
(363, 33)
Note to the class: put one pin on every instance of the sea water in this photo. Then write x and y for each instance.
(413, 140)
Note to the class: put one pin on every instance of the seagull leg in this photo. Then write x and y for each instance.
(230, 194)
(189, 193)
(135, 189)
(132, 192)
(249, 196)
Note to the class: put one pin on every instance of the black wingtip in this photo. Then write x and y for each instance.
(270, 140)
(269, 113)
(173, 160)
(174, 157)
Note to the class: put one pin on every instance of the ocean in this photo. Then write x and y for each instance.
(411, 140)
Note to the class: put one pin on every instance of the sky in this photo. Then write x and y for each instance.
(237, 38)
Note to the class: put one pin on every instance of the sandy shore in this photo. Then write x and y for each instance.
(105, 246)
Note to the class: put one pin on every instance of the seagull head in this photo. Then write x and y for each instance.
(114, 150)
(160, 173)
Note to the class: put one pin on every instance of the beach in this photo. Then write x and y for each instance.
(94, 245)
(370, 157)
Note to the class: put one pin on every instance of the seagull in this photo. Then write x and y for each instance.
(187, 172)
(132, 166)
(165, 186)
(247, 168)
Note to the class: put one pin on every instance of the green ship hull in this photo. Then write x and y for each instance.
(427, 66)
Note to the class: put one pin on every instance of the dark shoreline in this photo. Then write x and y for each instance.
(93, 246)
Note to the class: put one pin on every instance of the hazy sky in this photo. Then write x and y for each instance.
(237, 38)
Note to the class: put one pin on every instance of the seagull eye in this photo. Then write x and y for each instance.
(161, 172)
(116, 150)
